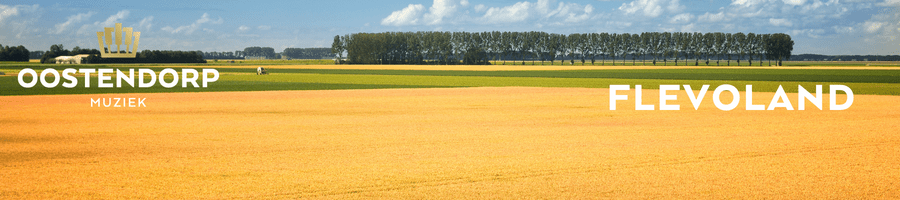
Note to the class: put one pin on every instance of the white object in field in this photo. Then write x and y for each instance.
(260, 71)
(71, 59)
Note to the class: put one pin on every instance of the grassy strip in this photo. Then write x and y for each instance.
(9, 85)
(801, 75)
(271, 62)
(212, 62)
(450, 81)
(702, 63)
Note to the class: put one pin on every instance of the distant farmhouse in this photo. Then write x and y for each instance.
(76, 59)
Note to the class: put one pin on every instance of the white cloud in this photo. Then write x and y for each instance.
(794, 2)
(112, 19)
(189, 29)
(882, 31)
(90, 29)
(205, 18)
(689, 28)
(682, 18)
(243, 28)
(480, 8)
(780, 22)
(146, 23)
(264, 27)
(747, 3)
(407, 16)
(872, 27)
(515, 13)
(19, 21)
(889, 3)
(752, 8)
(572, 12)
(651, 8)
(813, 33)
(843, 29)
(457, 12)
(712, 17)
(8, 11)
(542, 10)
(71, 20)
(439, 10)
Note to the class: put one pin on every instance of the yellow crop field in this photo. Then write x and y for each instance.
(447, 143)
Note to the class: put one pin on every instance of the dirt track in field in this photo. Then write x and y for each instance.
(443, 143)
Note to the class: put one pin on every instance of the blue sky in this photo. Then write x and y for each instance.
(817, 26)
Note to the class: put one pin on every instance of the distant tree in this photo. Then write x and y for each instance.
(646, 46)
(623, 45)
(594, 45)
(740, 46)
(651, 45)
(10, 53)
(532, 45)
(761, 48)
(751, 44)
(666, 46)
(337, 48)
(659, 48)
(555, 46)
(682, 44)
(525, 44)
(541, 50)
(637, 47)
(729, 47)
(572, 46)
(780, 46)
(709, 45)
(496, 44)
(507, 46)
(603, 44)
(613, 46)
(697, 47)
(720, 41)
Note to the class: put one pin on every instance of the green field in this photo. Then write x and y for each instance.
(608, 62)
(880, 82)
(702, 63)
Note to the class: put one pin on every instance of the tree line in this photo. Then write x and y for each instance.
(428, 47)
(145, 56)
(157, 56)
(11, 53)
(306, 53)
(263, 52)
(222, 55)
(816, 57)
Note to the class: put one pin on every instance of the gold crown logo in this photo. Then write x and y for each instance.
(108, 32)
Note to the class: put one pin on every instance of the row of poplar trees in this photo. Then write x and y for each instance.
(427, 47)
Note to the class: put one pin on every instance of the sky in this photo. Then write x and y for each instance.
(831, 27)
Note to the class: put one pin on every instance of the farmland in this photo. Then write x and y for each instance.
(863, 80)
(508, 142)
(449, 132)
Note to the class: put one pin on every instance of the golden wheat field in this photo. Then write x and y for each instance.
(451, 143)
